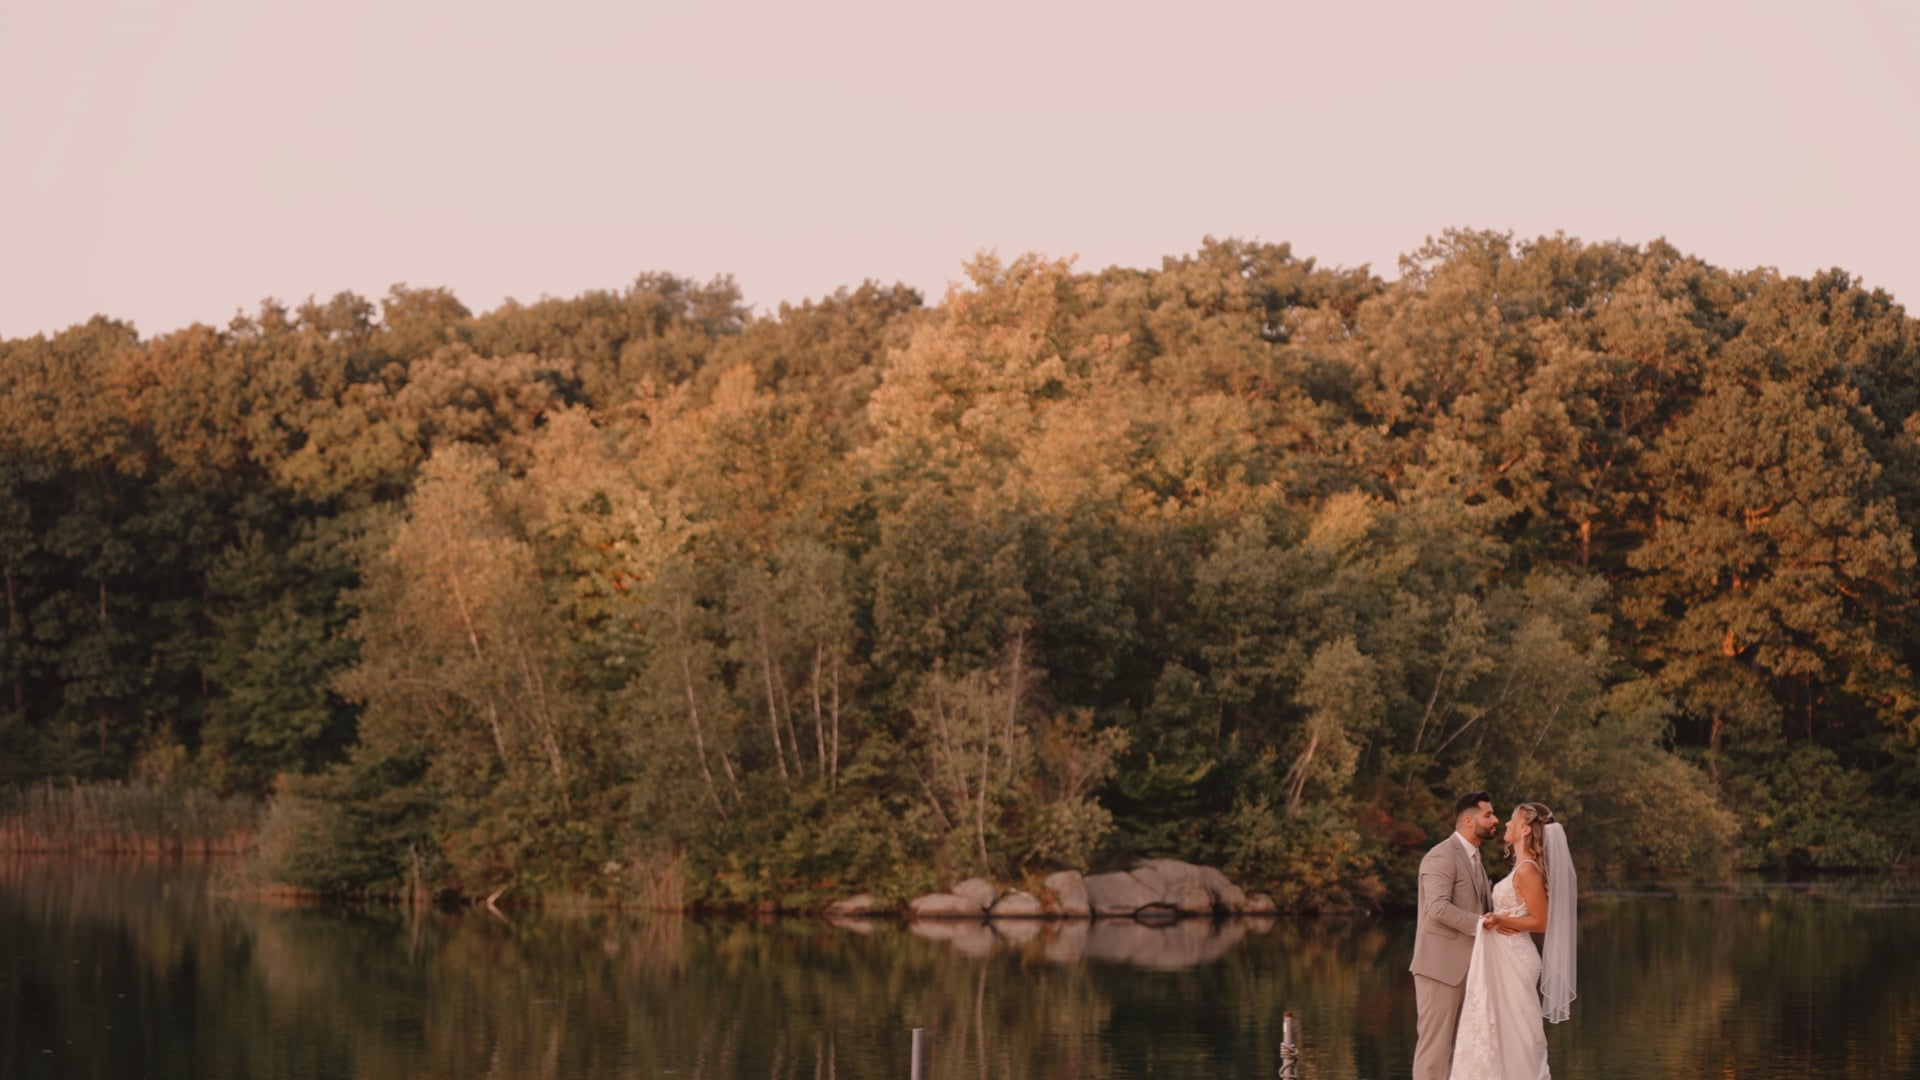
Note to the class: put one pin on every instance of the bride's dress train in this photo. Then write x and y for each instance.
(1501, 1034)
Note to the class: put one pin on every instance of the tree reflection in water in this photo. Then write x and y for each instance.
(128, 968)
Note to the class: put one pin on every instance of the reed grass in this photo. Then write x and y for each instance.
(137, 818)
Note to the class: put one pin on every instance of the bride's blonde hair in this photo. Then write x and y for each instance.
(1534, 845)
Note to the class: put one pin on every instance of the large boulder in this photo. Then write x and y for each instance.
(1227, 896)
(945, 906)
(1065, 894)
(1156, 888)
(979, 890)
(1176, 885)
(1118, 894)
(859, 904)
(1017, 905)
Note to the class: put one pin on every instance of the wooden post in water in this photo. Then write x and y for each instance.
(1289, 1052)
(919, 1051)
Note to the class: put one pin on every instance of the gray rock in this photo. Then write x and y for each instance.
(860, 904)
(1227, 897)
(1017, 905)
(945, 906)
(1118, 894)
(1176, 884)
(979, 890)
(1260, 904)
(1158, 914)
(1065, 895)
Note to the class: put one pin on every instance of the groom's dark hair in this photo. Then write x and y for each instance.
(1470, 801)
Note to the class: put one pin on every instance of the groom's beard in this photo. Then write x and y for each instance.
(1487, 832)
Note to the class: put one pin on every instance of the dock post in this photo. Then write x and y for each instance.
(1289, 1050)
(919, 1051)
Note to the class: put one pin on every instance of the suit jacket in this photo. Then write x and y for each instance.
(1453, 896)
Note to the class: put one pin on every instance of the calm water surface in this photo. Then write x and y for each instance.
(119, 970)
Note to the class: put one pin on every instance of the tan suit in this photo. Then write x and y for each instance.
(1453, 896)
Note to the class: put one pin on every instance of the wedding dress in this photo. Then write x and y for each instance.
(1501, 1034)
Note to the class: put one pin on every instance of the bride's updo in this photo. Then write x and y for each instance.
(1533, 846)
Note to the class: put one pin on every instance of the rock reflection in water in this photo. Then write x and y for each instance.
(852, 924)
(967, 937)
(1169, 945)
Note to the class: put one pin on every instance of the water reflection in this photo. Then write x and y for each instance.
(1167, 945)
(131, 969)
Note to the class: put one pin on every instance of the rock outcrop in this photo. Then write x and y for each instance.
(1065, 895)
(945, 906)
(1260, 904)
(979, 890)
(1176, 885)
(1017, 905)
(1118, 893)
(861, 904)
(1154, 890)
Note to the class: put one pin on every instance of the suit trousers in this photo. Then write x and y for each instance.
(1439, 1006)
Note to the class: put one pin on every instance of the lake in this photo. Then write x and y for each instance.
(130, 969)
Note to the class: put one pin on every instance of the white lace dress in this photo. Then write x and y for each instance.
(1502, 1035)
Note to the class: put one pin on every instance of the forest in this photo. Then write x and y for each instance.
(642, 597)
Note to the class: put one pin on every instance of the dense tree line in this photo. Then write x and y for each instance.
(1243, 560)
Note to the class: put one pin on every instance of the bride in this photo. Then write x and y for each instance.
(1501, 1036)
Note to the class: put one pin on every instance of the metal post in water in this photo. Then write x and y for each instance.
(919, 1050)
(1289, 1051)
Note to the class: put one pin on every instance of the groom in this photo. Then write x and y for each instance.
(1453, 895)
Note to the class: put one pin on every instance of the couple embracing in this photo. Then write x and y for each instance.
(1481, 987)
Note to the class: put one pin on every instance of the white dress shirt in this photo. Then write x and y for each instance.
(1479, 868)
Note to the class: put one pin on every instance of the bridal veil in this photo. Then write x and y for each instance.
(1558, 957)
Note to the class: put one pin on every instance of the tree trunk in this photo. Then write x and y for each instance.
(479, 657)
(13, 628)
(833, 775)
(1013, 703)
(1439, 680)
(1300, 771)
(819, 720)
(951, 756)
(980, 814)
(793, 736)
(773, 711)
(693, 716)
(933, 798)
(543, 716)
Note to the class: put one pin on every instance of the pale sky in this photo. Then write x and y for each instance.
(175, 161)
